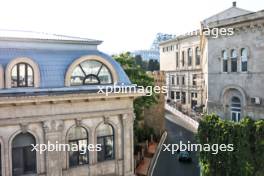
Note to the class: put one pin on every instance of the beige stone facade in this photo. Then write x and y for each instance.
(231, 68)
(154, 116)
(185, 82)
(50, 94)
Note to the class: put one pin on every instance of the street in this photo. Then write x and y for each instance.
(168, 164)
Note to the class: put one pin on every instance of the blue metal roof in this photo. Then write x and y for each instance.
(53, 64)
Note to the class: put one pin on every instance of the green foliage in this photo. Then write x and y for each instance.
(247, 137)
(137, 76)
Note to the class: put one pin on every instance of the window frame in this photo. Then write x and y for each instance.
(234, 60)
(225, 61)
(190, 56)
(86, 76)
(197, 56)
(104, 141)
(246, 62)
(76, 141)
(27, 66)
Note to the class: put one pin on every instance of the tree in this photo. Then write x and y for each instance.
(137, 76)
(247, 138)
(153, 65)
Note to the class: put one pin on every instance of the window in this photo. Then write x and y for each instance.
(197, 56)
(194, 79)
(189, 57)
(105, 137)
(172, 95)
(178, 95)
(235, 109)
(23, 158)
(224, 56)
(244, 59)
(177, 59)
(91, 72)
(78, 136)
(178, 80)
(172, 80)
(22, 75)
(183, 58)
(183, 98)
(233, 60)
(183, 80)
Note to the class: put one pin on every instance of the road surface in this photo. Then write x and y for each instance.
(168, 164)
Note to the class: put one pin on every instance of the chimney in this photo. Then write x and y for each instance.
(234, 3)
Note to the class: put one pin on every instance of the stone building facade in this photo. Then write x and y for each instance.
(235, 67)
(154, 116)
(182, 61)
(231, 65)
(49, 95)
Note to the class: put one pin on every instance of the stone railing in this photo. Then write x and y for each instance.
(183, 116)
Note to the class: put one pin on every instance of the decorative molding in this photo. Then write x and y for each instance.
(53, 125)
(24, 127)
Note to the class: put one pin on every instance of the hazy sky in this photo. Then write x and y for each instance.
(123, 25)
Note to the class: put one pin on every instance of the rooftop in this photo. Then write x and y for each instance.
(37, 36)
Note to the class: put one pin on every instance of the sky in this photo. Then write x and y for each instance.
(122, 25)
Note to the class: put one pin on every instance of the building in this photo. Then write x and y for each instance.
(154, 116)
(230, 72)
(49, 95)
(182, 62)
(235, 64)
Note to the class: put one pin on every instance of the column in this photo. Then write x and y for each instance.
(128, 147)
(53, 131)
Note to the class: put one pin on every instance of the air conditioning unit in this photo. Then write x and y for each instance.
(255, 100)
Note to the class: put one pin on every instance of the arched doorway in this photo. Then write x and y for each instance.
(235, 109)
(23, 158)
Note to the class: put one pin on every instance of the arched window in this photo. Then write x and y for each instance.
(233, 60)
(197, 56)
(190, 57)
(105, 137)
(244, 59)
(91, 72)
(78, 140)
(23, 158)
(225, 65)
(183, 59)
(22, 75)
(235, 109)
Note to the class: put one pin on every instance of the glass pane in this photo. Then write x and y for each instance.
(109, 148)
(29, 162)
(30, 76)
(104, 130)
(77, 133)
(244, 65)
(22, 75)
(73, 154)
(91, 79)
(225, 66)
(91, 67)
(83, 156)
(234, 65)
(233, 116)
(14, 76)
(77, 76)
(233, 54)
(105, 76)
(100, 154)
